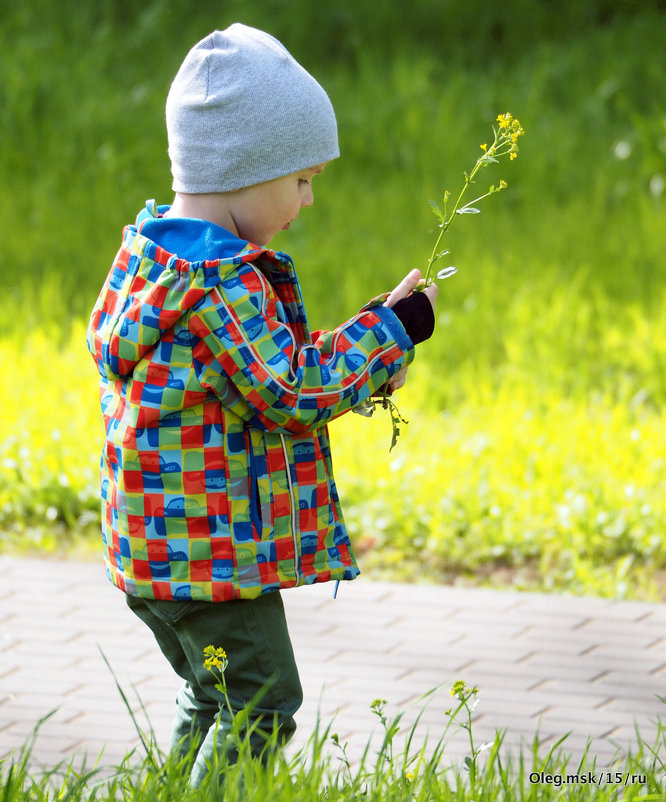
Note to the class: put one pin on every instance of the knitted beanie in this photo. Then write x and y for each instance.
(241, 110)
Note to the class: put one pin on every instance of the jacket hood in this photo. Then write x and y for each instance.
(154, 281)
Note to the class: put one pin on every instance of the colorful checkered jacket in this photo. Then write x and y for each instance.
(216, 478)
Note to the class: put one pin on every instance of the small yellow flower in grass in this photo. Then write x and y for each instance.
(216, 657)
(502, 184)
(484, 147)
(461, 689)
(513, 155)
(213, 651)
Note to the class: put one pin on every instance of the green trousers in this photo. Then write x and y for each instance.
(254, 635)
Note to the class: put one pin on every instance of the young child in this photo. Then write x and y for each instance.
(217, 487)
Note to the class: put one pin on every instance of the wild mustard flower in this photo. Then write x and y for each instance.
(216, 661)
(215, 658)
(464, 693)
(505, 138)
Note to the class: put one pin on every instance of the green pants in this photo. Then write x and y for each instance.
(255, 637)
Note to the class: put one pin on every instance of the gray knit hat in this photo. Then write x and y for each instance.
(241, 110)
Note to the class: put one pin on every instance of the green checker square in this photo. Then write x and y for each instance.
(170, 436)
(180, 570)
(172, 398)
(194, 460)
(200, 550)
(173, 482)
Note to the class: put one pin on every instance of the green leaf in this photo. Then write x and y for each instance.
(468, 210)
(436, 209)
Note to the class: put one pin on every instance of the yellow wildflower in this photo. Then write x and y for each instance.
(213, 651)
(216, 657)
(484, 147)
(502, 184)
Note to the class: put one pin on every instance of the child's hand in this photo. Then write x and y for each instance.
(415, 310)
(397, 381)
(407, 285)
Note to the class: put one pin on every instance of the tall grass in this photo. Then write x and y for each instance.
(397, 770)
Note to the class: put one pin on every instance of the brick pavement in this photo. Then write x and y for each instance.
(552, 664)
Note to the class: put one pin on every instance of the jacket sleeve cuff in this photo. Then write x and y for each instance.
(392, 322)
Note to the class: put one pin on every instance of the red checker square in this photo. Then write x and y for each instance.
(308, 520)
(257, 401)
(133, 481)
(110, 452)
(153, 504)
(198, 527)
(146, 415)
(214, 459)
(108, 516)
(192, 437)
(223, 591)
(200, 570)
(141, 569)
(149, 461)
(281, 505)
(191, 398)
(136, 525)
(268, 573)
(221, 548)
(138, 283)
(307, 564)
(162, 591)
(218, 504)
(157, 550)
(284, 549)
(342, 344)
(194, 482)
(157, 374)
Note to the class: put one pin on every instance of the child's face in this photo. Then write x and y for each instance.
(261, 211)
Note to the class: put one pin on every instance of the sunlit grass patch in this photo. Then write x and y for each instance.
(50, 440)
(543, 492)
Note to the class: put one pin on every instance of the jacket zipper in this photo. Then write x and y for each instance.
(293, 510)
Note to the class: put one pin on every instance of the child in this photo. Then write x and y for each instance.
(217, 488)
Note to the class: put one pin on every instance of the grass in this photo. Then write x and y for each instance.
(397, 770)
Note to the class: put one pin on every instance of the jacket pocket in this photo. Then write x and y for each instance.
(255, 504)
(260, 494)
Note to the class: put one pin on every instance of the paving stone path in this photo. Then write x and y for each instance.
(552, 664)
